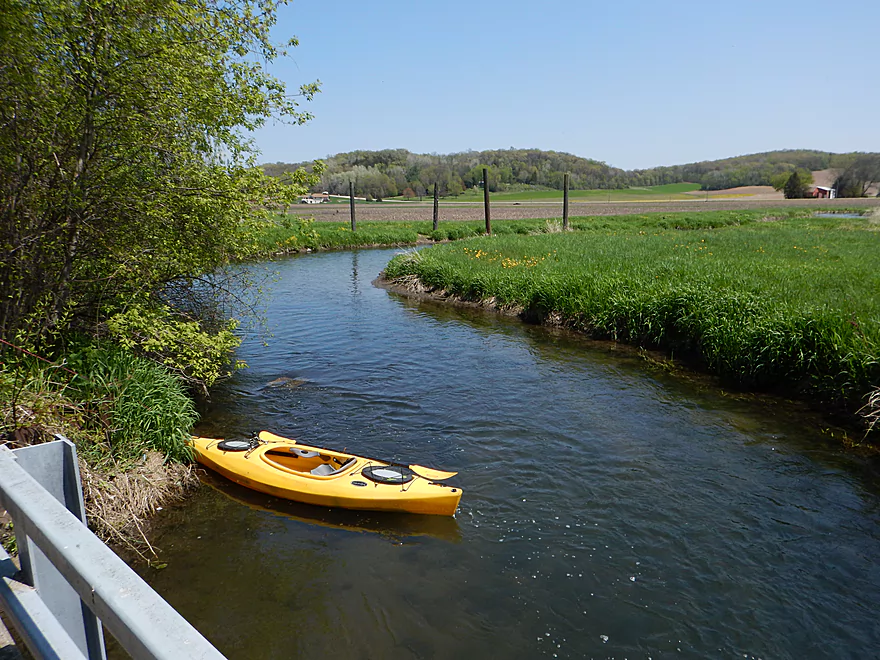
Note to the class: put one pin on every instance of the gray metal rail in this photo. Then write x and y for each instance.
(141, 621)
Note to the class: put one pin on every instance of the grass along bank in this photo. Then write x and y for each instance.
(289, 233)
(612, 276)
(781, 303)
(129, 418)
(286, 233)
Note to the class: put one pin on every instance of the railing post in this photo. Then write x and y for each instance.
(565, 182)
(486, 200)
(54, 466)
(351, 203)
(436, 207)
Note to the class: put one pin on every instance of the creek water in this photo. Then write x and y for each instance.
(609, 511)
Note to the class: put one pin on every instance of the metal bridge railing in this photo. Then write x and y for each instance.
(70, 582)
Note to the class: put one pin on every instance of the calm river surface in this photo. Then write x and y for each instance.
(609, 511)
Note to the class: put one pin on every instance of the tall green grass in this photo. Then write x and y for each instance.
(145, 406)
(114, 405)
(786, 304)
(288, 234)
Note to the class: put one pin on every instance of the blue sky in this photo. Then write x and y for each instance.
(634, 83)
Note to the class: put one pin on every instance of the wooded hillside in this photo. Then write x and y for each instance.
(393, 172)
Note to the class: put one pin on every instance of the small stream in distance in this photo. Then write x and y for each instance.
(609, 511)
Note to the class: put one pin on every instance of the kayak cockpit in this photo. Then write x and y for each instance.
(308, 463)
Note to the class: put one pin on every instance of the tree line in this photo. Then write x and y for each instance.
(393, 172)
(398, 172)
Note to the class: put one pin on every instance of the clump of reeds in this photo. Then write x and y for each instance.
(136, 405)
(553, 226)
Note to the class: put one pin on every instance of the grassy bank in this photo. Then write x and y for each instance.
(765, 299)
(128, 416)
(287, 233)
(776, 302)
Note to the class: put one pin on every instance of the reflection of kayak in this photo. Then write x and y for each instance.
(284, 468)
(394, 526)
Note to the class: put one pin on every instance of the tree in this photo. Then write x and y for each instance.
(858, 176)
(374, 184)
(794, 187)
(125, 165)
(778, 181)
(452, 186)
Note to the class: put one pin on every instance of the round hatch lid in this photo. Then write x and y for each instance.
(388, 474)
(234, 445)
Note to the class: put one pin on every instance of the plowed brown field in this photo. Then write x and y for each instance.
(411, 211)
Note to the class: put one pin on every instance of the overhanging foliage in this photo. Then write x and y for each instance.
(125, 166)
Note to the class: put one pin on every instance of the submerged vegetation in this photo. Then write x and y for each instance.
(778, 302)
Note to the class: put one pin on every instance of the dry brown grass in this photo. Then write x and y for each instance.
(871, 410)
(118, 504)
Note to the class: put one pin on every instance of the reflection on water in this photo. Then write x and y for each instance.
(608, 511)
(396, 527)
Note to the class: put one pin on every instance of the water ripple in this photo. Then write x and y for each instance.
(608, 512)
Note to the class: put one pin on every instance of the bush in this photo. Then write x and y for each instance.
(197, 356)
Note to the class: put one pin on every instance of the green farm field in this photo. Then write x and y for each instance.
(780, 302)
(669, 191)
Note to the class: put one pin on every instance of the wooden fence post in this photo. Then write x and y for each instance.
(351, 204)
(486, 200)
(565, 182)
(436, 206)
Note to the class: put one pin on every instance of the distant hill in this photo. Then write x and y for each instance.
(394, 172)
(749, 170)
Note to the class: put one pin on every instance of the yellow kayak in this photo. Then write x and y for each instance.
(285, 468)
